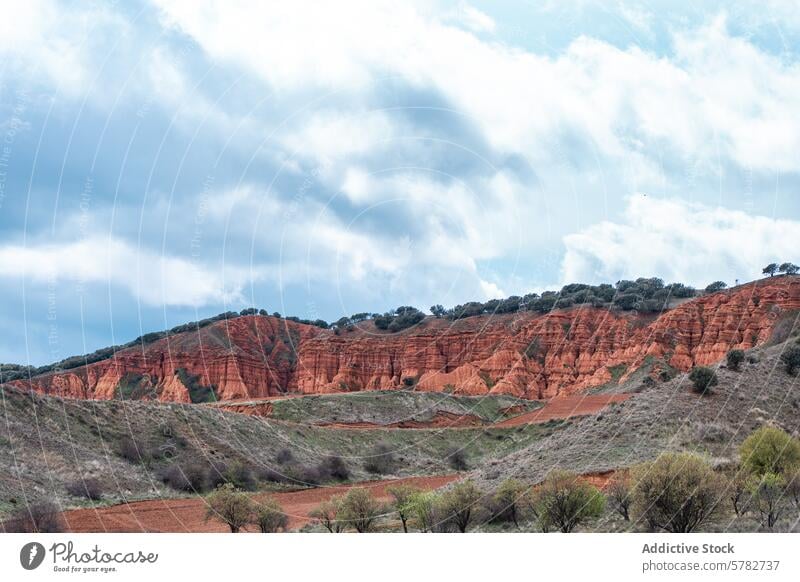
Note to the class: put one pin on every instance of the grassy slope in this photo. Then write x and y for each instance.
(47, 442)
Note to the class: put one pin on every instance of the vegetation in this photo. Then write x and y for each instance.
(231, 506)
(770, 450)
(42, 517)
(677, 492)
(457, 459)
(791, 358)
(422, 506)
(788, 268)
(564, 501)
(457, 505)
(89, 488)
(506, 504)
(734, 359)
(770, 269)
(716, 286)
(703, 379)
(403, 500)
(766, 494)
(269, 516)
(380, 460)
(327, 514)
(359, 509)
(618, 493)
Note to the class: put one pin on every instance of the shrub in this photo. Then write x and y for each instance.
(769, 450)
(619, 494)
(334, 467)
(240, 476)
(703, 379)
(132, 451)
(191, 478)
(41, 517)
(422, 506)
(269, 516)
(565, 501)
(380, 460)
(507, 501)
(738, 493)
(793, 486)
(735, 359)
(716, 286)
(359, 509)
(457, 504)
(766, 492)
(284, 456)
(791, 359)
(403, 498)
(230, 506)
(457, 459)
(90, 488)
(327, 513)
(272, 475)
(677, 492)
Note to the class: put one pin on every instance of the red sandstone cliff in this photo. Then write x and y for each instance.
(526, 354)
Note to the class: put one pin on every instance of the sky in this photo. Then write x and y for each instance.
(162, 161)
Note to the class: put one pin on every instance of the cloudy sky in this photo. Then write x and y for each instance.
(162, 161)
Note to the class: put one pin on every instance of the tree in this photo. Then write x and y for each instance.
(793, 486)
(789, 268)
(229, 505)
(423, 507)
(766, 492)
(716, 286)
(734, 359)
(738, 493)
(327, 513)
(770, 269)
(770, 450)
(438, 311)
(618, 493)
(269, 516)
(703, 379)
(791, 359)
(508, 501)
(677, 492)
(403, 496)
(458, 503)
(359, 509)
(565, 501)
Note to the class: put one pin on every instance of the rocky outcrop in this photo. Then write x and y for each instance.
(525, 354)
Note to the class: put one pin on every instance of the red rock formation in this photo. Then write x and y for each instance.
(525, 354)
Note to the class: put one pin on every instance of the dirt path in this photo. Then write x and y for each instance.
(188, 515)
(563, 407)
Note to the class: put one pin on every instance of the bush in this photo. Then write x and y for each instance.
(90, 488)
(230, 506)
(422, 506)
(359, 509)
(380, 460)
(457, 505)
(457, 459)
(41, 517)
(769, 450)
(738, 493)
(507, 502)
(619, 494)
(565, 501)
(132, 451)
(703, 379)
(734, 359)
(677, 492)
(334, 467)
(239, 475)
(327, 514)
(403, 496)
(716, 286)
(269, 516)
(284, 456)
(791, 359)
(766, 493)
(190, 478)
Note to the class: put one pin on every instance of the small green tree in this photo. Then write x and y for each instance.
(565, 501)
(716, 286)
(618, 493)
(766, 492)
(403, 498)
(734, 359)
(359, 509)
(789, 268)
(703, 379)
(770, 269)
(438, 311)
(228, 504)
(508, 501)
(269, 516)
(677, 492)
(327, 514)
(770, 450)
(738, 492)
(458, 504)
(423, 507)
(791, 358)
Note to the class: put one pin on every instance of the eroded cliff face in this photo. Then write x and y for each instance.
(525, 354)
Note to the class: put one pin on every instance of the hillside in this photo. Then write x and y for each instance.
(525, 354)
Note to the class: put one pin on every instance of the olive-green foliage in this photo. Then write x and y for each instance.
(703, 379)
(766, 494)
(677, 492)
(734, 359)
(269, 516)
(508, 501)
(403, 502)
(328, 512)
(564, 501)
(229, 505)
(791, 358)
(458, 504)
(770, 450)
(619, 494)
(359, 509)
(422, 506)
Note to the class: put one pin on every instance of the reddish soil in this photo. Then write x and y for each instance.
(563, 407)
(439, 420)
(188, 515)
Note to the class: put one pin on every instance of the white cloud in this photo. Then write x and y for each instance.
(474, 19)
(153, 278)
(679, 241)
